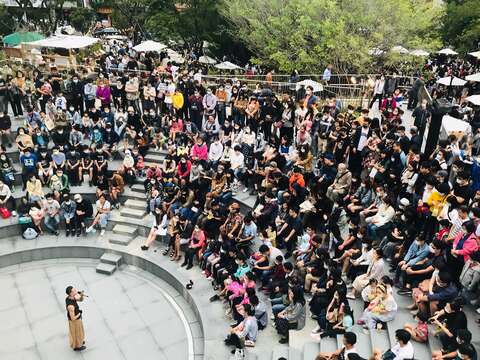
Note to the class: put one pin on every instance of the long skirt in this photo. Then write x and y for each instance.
(76, 332)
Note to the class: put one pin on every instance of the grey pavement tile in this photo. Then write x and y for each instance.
(177, 351)
(156, 312)
(143, 295)
(39, 310)
(140, 345)
(105, 288)
(30, 354)
(97, 332)
(7, 281)
(104, 350)
(168, 333)
(20, 339)
(128, 281)
(12, 318)
(114, 306)
(123, 324)
(32, 292)
(9, 299)
(50, 327)
(54, 271)
(24, 276)
(57, 348)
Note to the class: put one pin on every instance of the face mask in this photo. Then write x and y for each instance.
(418, 242)
(403, 217)
(72, 109)
(431, 249)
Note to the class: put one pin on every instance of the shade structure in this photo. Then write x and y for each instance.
(454, 125)
(175, 56)
(475, 54)
(419, 52)
(473, 77)
(65, 42)
(474, 99)
(206, 60)
(317, 87)
(400, 49)
(21, 37)
(447, 51)
(149, 45)
(451, 81)
(227, 65)
(107, 31)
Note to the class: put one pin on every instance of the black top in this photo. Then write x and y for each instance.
(69, 302)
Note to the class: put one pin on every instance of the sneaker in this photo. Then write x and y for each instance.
(249, 343)
(102, 232)
(272, 317)
(210, 278)
(89, 229)
(317, 330)
(14, 213)
(144, 247)
(478, 310)
(245, 190)
(350, 296)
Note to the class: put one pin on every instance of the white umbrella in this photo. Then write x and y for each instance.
(447, 51)
(317, 87)
(474, 99)
(227, 65)
(475, 54)
(149, 45)
(451, 81)
(419, 52)
(473, 77)
(400, 49)
(206, 60)
(175, 56)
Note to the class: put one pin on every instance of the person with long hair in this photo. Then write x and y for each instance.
(293, 316)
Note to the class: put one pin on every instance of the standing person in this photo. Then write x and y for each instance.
(422, 116)
(413, 92)
(378, 91)
(3, 95)
(74, 316)
(209, 104)
(77, 94)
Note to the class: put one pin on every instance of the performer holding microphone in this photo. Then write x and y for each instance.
(74, 315)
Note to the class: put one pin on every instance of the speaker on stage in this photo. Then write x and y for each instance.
(438, 108)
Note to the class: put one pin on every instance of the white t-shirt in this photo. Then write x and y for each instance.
(106, 205)
(274, 252)
(237, 161)
(403, 353)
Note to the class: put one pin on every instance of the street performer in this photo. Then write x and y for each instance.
(74, 315)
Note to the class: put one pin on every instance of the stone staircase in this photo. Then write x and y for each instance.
(108, 263)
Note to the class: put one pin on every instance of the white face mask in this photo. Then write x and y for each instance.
(431, 249)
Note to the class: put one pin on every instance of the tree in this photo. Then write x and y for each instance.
(81, 19)
(461, 24)
(308, 34)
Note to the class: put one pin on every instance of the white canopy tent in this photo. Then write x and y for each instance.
(227, 65)
(175, 56)
(400, 49)
(451, 125)
(149, 45)
(419, 52)
(317, 87)
(475, 54)
(65, 42)
(447, 51)
(474, 99)
(207, 60)
(451, 81)
(473, 77)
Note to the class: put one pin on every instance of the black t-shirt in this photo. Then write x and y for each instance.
(455, 321)
(462, 191)
(72, 158)
(3, 92)
(294, 224)
(69, 302)
(99, 156)
(86, 206)
(44, 160)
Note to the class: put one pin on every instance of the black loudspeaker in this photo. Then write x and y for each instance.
(439, 108)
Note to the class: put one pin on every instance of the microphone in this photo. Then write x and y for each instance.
(82, 293)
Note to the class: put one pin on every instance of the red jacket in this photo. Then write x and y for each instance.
(469, 246)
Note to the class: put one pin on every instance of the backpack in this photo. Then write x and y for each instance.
(30, 234)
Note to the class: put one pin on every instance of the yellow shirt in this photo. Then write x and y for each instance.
(177, 100)
(436, 201)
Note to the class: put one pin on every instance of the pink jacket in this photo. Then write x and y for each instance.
(469, 246)
(103, 95)
(201, 240)
(200, 152)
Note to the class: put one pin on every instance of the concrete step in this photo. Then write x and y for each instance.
(134, 195)
(107, 269)
(364, 344)
(135, 204)
(120, 239)
(125, 230)
(310, 350)
(132, 213)
(328, 344)
(112, 259)
(280, 351)
(138, 188)
(380, 339)
(155, 158)
(294, 353)
(163, 152)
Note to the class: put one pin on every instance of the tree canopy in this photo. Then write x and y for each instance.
(461, 24)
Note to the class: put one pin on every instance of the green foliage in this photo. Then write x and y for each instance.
(81, 19)
(462, 24)
(308, 34)
(7, 22)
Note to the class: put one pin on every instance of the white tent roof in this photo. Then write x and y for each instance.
(149, 45)
(207, 60)
(474, 99)
(451, 124)
(227, 65)
(175, 56)
(419, 52)
(448, 81)
(65, 42)
(447, 51)
(475, 54)
(473, 77)
(317, 87)
(400, 49)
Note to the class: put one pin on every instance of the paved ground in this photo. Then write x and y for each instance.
(125, 317)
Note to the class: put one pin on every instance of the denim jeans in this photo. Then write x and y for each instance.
(51, 223)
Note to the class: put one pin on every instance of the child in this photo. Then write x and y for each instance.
(420, 332)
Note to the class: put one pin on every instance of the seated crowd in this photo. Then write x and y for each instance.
(347, 206)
